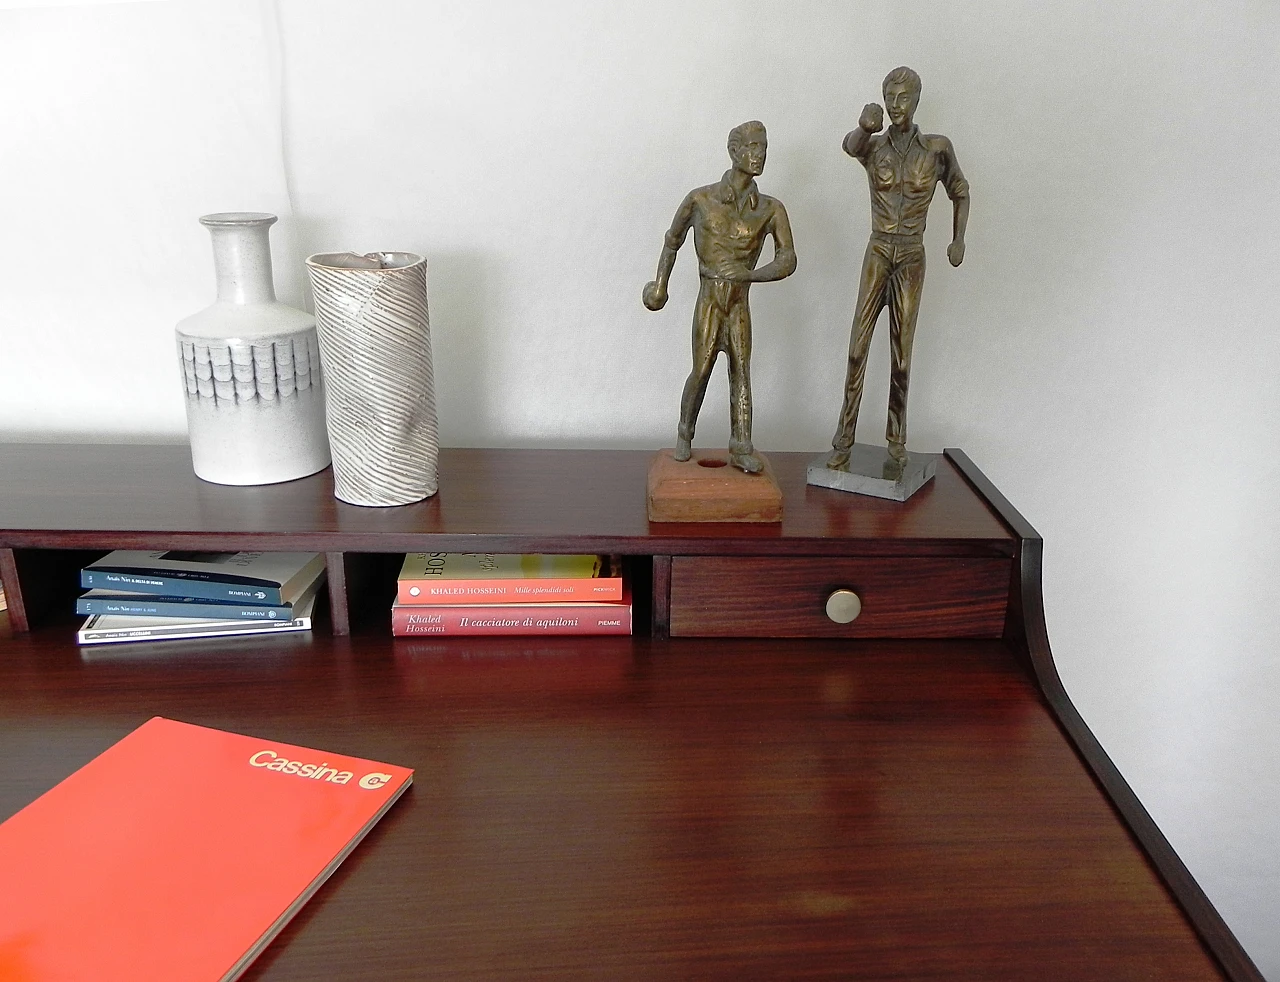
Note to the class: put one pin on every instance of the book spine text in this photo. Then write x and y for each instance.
(448, 592)
(172, 586)
(143, 607)
(567, 619)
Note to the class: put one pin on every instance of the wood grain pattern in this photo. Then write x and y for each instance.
(660, 627)
(613, 808)
(517, 500)
(1032, 875)
(146, 497)
(902, 597)
(1028, 639)
(339, 610)
(16, 606)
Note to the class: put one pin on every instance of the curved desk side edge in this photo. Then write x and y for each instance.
(1026, 634)
(13, 591)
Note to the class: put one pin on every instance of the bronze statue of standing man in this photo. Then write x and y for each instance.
(730, 220)
(903, 168)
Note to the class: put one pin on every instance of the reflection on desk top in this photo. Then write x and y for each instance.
(618, 808)
(523, 497)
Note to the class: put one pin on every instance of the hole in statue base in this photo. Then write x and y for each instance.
(712, 462)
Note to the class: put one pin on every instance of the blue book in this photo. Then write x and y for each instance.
(113, 603)
(255, 578)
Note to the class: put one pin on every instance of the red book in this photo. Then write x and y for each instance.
(177, 854)
(416, 620)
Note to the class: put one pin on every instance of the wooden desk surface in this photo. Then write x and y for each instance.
(518, 500)
(629, 808)
(618, 808)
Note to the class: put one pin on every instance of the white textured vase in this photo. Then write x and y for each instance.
(375, 344)
(251, 368)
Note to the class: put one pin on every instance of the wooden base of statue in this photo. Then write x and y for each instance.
(708, 488)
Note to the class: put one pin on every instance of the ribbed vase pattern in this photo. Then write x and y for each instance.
(375, 346)
(240, 371)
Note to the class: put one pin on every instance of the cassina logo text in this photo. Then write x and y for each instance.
(269, 760)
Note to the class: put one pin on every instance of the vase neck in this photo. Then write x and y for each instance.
(242, 256)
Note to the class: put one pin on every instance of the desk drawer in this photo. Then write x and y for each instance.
(902, 597)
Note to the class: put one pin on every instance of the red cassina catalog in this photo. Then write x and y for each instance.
(178, 854)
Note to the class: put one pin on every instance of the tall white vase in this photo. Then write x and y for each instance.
(375, 343)
(251, 368)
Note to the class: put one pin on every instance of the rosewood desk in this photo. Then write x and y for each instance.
(743, 790)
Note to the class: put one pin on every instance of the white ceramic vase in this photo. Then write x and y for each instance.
(375, 344)
(251, 368)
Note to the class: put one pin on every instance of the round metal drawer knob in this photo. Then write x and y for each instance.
(844, 606)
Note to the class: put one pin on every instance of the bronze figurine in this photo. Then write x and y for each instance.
(730, 220)
(903, 168)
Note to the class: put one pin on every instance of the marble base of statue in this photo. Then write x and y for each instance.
(708, 488)
(873, 472)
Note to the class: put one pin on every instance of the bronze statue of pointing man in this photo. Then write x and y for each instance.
(903, 166)
(730, 220)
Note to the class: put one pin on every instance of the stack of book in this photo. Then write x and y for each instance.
(150, 596)
(481, 593)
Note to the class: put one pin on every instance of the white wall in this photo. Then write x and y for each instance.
(1106, 353)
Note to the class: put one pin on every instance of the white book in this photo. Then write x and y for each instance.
(114, 628)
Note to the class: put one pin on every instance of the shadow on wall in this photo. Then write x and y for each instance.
(461, 287)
